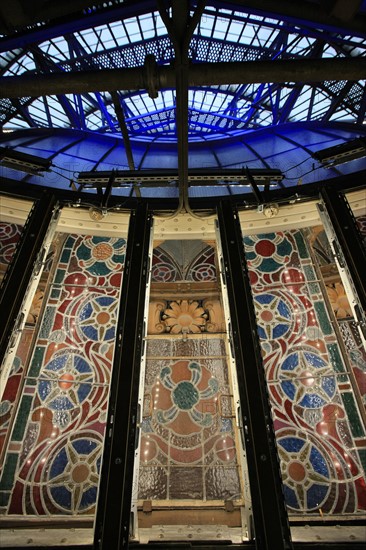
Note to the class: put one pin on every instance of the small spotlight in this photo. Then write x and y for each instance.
(97, 214)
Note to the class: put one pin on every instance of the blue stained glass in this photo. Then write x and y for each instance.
(62, 496)
(44, 388)
(84, 446)
(264, 298)
(290, 497)
(65, 256)
(316, 495)
(83, 392)
(97, 240)
(105, 300)
(291, 362)
(109, 334)
(90, 332)
(329, 385)
(283, 309)
(314, 360)
(248, 241)
(58, 464)
(62, 402)
(69, 242)
(86, 311)
(269, 265)
(292, 444)
(89, 498)
(81, 365)
(83, 252)
(280, 330)
(318, 462)
(289, 389)
(312, 401)
(99, 268)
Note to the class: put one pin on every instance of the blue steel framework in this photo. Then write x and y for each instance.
(117, 39)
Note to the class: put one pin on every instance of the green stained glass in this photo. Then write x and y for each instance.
(323, 318)
(22, 417)
(335, 357)
(37, 361)
(7, 479)
(301, 245)
(352, 413)
(60, 274)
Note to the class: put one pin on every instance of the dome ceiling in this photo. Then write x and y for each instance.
(191, 82)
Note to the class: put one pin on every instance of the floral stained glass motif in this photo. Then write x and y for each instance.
(188, 446)
(184, 316)
(53, 457)
(183, 260)
(319, 430)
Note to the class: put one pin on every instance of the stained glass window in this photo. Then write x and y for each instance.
(318, 422)
(190, 451)
(52, 461)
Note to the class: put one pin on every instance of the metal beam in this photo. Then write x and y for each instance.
(20, 270)
(200, 74)
(270, 515)
(302, 13)
(114, 502)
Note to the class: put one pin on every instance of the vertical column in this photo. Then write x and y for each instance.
(350, 254)
(114, 502)
(270, 515)
(21, 269)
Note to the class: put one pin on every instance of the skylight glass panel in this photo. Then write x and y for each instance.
(262, 34)
(235, 31)
(88, 39)
(8, 57)
(221, 27)
(105, 38)
(147, 26)
(206, 25)
(249, 34)
(118, 33)
(133, 30)
(160, 27)
(329, 51)
(24, 64)
(57, 47)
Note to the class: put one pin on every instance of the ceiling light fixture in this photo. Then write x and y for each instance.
(23, 161)
(151, 178)
(340, 154)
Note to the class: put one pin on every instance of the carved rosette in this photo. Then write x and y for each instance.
(185, 317)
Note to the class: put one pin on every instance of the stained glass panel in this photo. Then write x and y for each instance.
(188, 448)
(9, 237)
(183, 260)
(318, 423)
(189, 445)
(52, 461)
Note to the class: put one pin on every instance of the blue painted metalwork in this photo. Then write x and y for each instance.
(120, 40)
(287, 147)
(228, 126)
